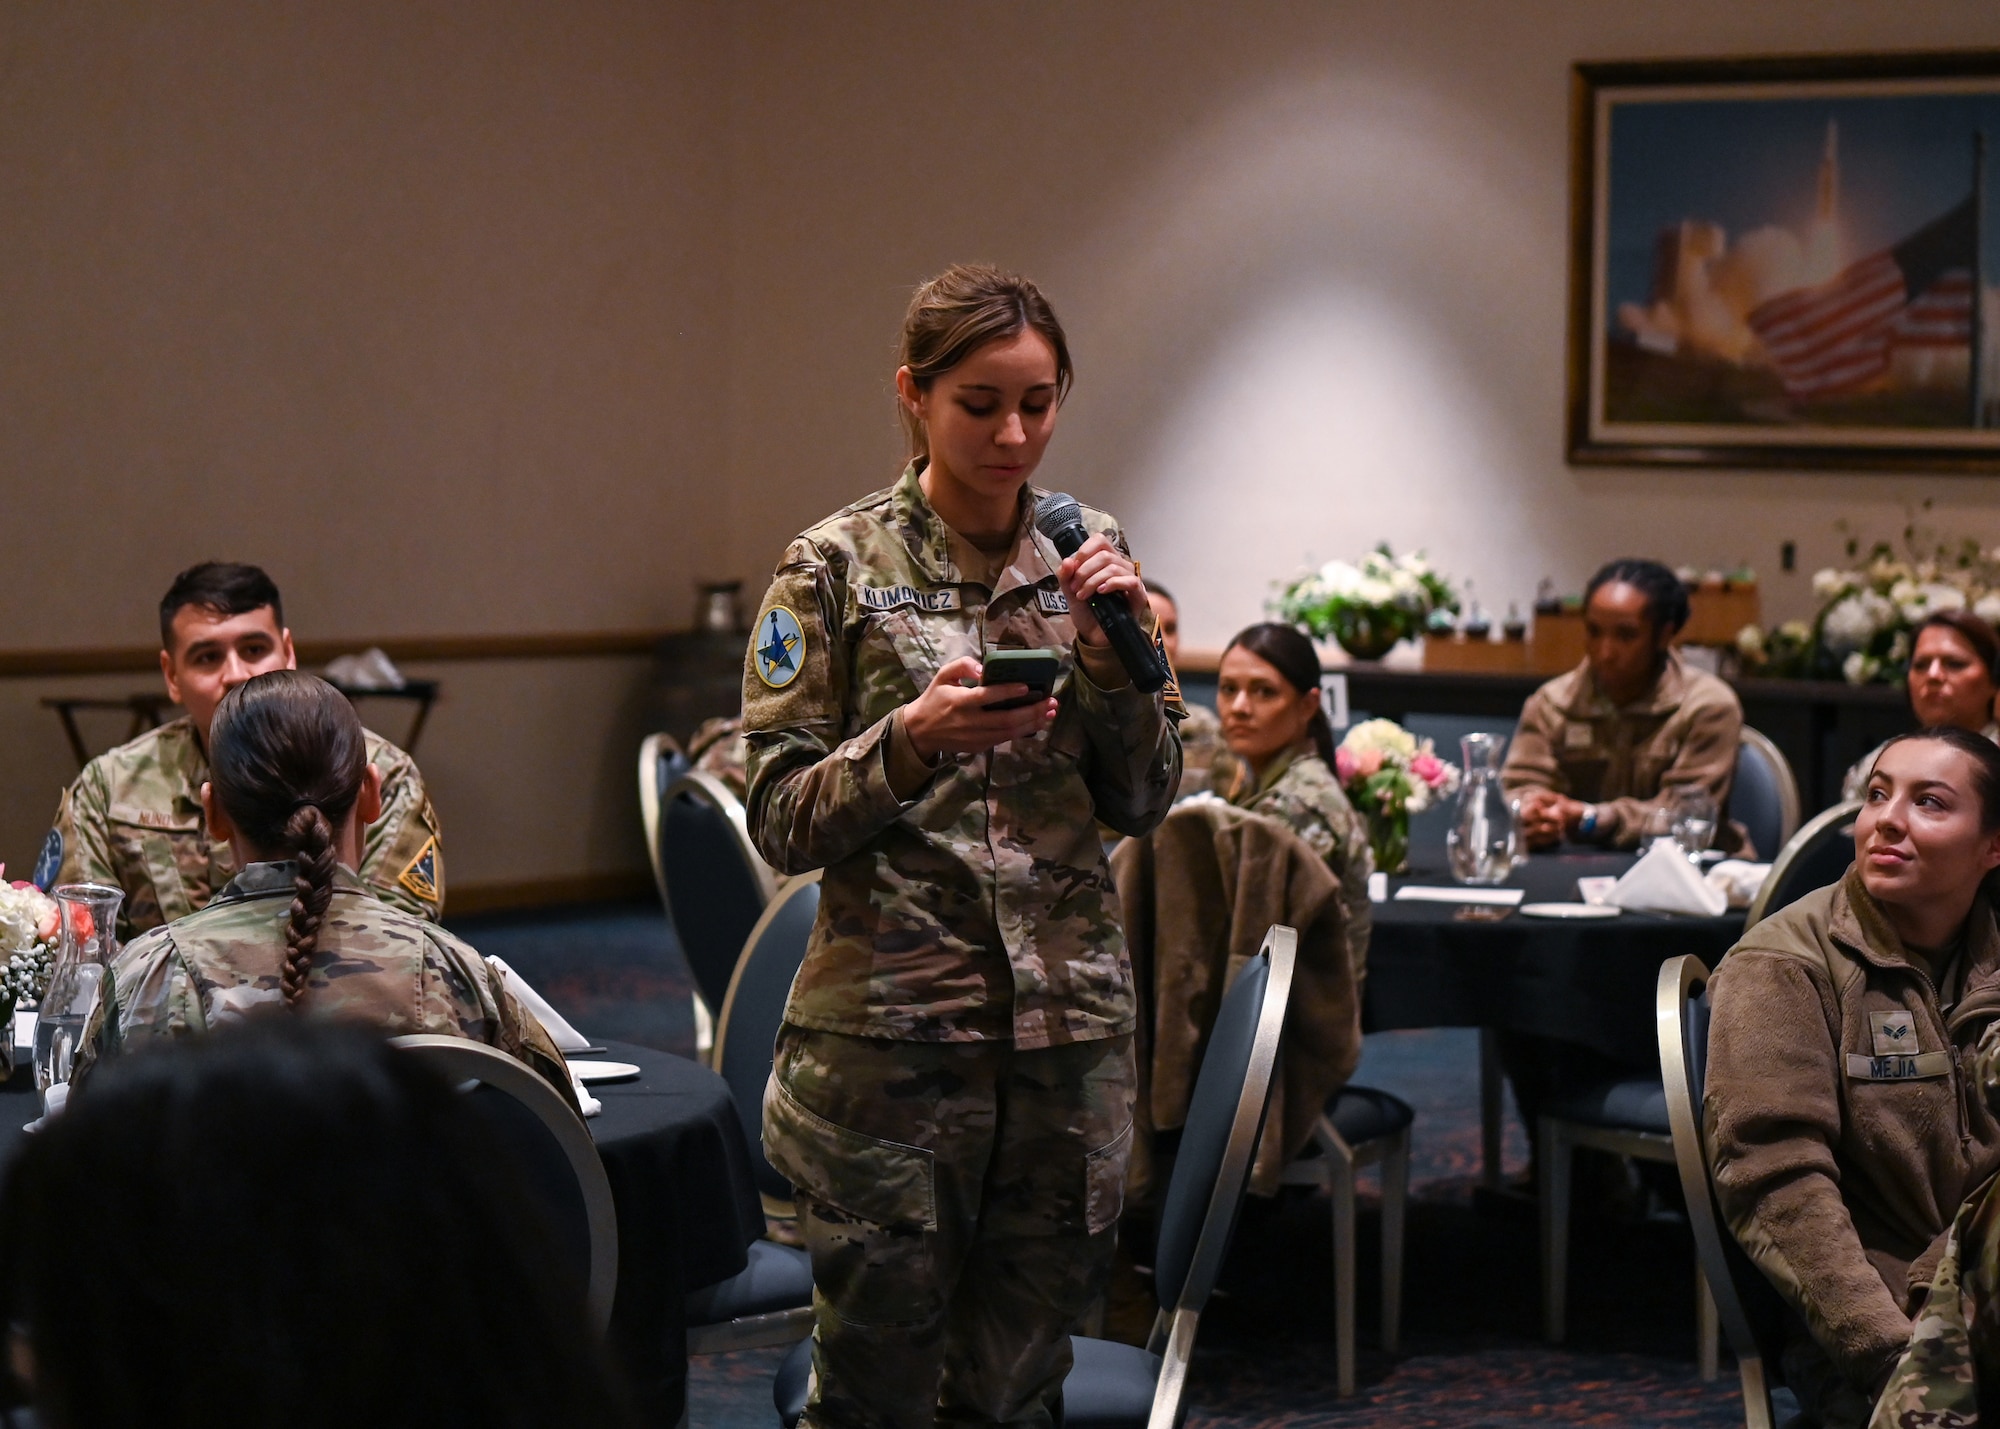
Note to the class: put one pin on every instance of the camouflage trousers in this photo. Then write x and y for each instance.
(960, 1202)
(1955, 1340)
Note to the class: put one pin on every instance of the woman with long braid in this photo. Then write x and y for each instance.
(291, 788)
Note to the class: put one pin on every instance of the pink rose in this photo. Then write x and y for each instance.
(1343, 764)
(1429, 768)
(1368, 763)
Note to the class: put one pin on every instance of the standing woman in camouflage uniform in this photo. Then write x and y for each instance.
(1267, 691)
(952, 1094)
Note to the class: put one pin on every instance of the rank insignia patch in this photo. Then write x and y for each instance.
(421, 875)
(777, 650)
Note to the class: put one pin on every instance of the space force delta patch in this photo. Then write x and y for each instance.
(421, 875)
(890, 597)
(1911, 1068)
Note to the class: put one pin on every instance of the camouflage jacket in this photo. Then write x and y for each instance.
(1207, 766)
(133, 820)
(375, 964)
(1300, 792)
(983, 907)
(716, 747)
(1844, 1114)
(1628, 760)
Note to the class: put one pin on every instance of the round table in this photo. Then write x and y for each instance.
(680, 1173)
(1587, 981)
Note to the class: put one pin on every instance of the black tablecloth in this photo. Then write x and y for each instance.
(1590, 982)
(680, 1176)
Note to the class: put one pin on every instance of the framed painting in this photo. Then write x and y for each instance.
(1786, 262)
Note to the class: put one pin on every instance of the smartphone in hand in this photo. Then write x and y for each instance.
(1037, 669)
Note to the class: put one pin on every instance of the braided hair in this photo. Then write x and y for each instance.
(1666, 596)
(286, 758)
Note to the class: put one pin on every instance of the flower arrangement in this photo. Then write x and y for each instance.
(1868, 612)
(1389, 774)
(1370, 606)
(30, 924)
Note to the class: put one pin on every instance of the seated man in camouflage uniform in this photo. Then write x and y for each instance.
(133, 818)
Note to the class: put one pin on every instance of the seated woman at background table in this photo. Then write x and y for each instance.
(1844, 1129)
(1951, 682)
(1602, 748)
(1267, 693)
(291, 787)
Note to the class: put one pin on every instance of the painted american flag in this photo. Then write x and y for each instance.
(1836, 337)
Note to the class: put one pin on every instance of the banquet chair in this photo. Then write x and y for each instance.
(770, 1301)
(716, 886)
(1117, 1386)
(1361, 1126)
(1817, 855)
(1763, 795)
(557, 1158)
(1752, 1316)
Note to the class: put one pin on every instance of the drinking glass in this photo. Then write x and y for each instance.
(1695, 818)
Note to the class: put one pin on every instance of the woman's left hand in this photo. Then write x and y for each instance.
(1100, 568)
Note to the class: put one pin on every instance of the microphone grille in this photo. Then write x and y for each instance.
(1056, 512)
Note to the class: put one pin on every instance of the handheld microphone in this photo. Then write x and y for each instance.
(1058, 517)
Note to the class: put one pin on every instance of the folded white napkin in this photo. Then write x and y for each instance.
(1493, 897)
(566, 1036)
(585, 1102)
(1739, 880)
(1663, 881)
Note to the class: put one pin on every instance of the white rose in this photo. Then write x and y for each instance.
(1987, 607)
(1829, 583)
(1859, 669)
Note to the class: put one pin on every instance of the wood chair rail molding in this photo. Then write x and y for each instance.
(415, 649)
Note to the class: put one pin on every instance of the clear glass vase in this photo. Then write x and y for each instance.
(1485, 835)
(88, 943)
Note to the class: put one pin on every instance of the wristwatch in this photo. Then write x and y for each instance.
(1586, 826)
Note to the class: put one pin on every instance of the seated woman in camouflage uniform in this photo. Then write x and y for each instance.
(292, 789)
(1267, 690)
(1601, 749)
(1850, 1068)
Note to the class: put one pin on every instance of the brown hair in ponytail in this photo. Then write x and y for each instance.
(961, 310)
(1286, 649)
(286, 757)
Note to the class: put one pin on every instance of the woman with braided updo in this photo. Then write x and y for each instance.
(292, 790)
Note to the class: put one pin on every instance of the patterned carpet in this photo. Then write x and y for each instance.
(1471, 1355)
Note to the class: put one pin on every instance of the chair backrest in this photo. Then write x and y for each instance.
(1224, 1118)
(747, 1029)
(557, 1159)
(661, 761)
(1763, 795)
(1753, 1316)
(1428, 829)
(1817, 855)
(716, 884)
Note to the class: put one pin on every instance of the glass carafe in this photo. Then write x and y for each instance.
(88, 943)
(1484, 836)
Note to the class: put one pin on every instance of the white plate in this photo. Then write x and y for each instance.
(1568, 910)
(605, 1071)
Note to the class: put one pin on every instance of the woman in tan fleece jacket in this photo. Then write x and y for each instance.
(1843, 1127)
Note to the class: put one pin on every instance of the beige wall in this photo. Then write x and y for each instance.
(522, 317)
(1311, 257)
(419, 304)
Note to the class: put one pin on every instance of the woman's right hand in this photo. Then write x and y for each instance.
(949, 718)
